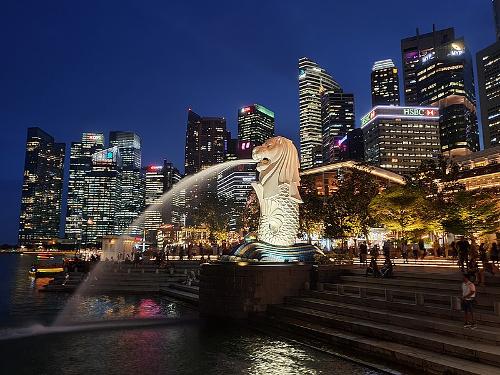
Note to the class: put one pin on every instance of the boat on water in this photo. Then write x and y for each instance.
(47, 265)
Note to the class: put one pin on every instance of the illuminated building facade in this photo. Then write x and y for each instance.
(41, 195)
(154, 190)
(102, 201)
(337, 116)
(413, 49)
(399, 138)
(235, 184)
(385, 83)
(313, 82)
(132, 185)
(80, 165)
(445, 79)
(255, 124)
(480, 170)
(488, 73)
(205, 142)
(172, 208)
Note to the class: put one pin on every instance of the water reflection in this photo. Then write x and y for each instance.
(201, 348)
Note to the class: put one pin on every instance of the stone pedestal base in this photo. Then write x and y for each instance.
(235, 290)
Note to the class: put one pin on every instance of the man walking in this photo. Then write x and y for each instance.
(468, 295)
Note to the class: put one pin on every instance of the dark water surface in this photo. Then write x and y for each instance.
(195, 347)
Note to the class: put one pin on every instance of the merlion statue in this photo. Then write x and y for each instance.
(279, 199)
(277, 191)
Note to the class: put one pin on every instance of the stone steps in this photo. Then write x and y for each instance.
(181, 292)
(414, 321)
(427, 361)
(449, 346)
(481, 317)
(419, 283)
(447, 275)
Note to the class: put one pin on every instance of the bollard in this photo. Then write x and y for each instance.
(340, 289)
(456, 303)
(496, 307)
(320, 287)
(307, 286)
(128, 270)
(156, 271)
(142, 270)
(419, 299)
(388, 295)
(362, 292)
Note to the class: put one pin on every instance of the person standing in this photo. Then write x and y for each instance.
(468, 295)
(404, 251)
(415, 251)
(463, 253)
(421, 248)
(494, 253)
(363, 254)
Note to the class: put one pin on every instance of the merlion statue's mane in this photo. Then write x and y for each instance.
(283, 170)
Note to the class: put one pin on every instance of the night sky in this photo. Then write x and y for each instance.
(75, 66)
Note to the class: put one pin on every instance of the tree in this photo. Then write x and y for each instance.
(403, 209)
(347, 211)
(473, 213)
(215, 213)
(311, 210)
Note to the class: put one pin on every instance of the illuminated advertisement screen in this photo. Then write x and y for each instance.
(430, 113)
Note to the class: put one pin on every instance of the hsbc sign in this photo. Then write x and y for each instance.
(400, 112)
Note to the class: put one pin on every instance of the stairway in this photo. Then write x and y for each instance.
(183, 292)
(412, 320)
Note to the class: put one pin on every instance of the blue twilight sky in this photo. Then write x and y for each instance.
(75, 66)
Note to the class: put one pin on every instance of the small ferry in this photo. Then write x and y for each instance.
(47, 265)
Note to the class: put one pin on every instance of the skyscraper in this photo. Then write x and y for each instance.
(80, 165)
(172, 208)
(313, 82)
(399, 138)
(445, 79)
(255, 124)
(205, 142)
(337, 116)
(102, 203)
(153, 193)
(42, 188)
(488, 73)
(412, 51)
(385, 83)
(132, 191)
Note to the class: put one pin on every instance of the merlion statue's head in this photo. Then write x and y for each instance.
(278, 164)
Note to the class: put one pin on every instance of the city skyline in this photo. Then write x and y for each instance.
(154, 128)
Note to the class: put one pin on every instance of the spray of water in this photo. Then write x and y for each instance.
(39, 329)
(198, 179)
